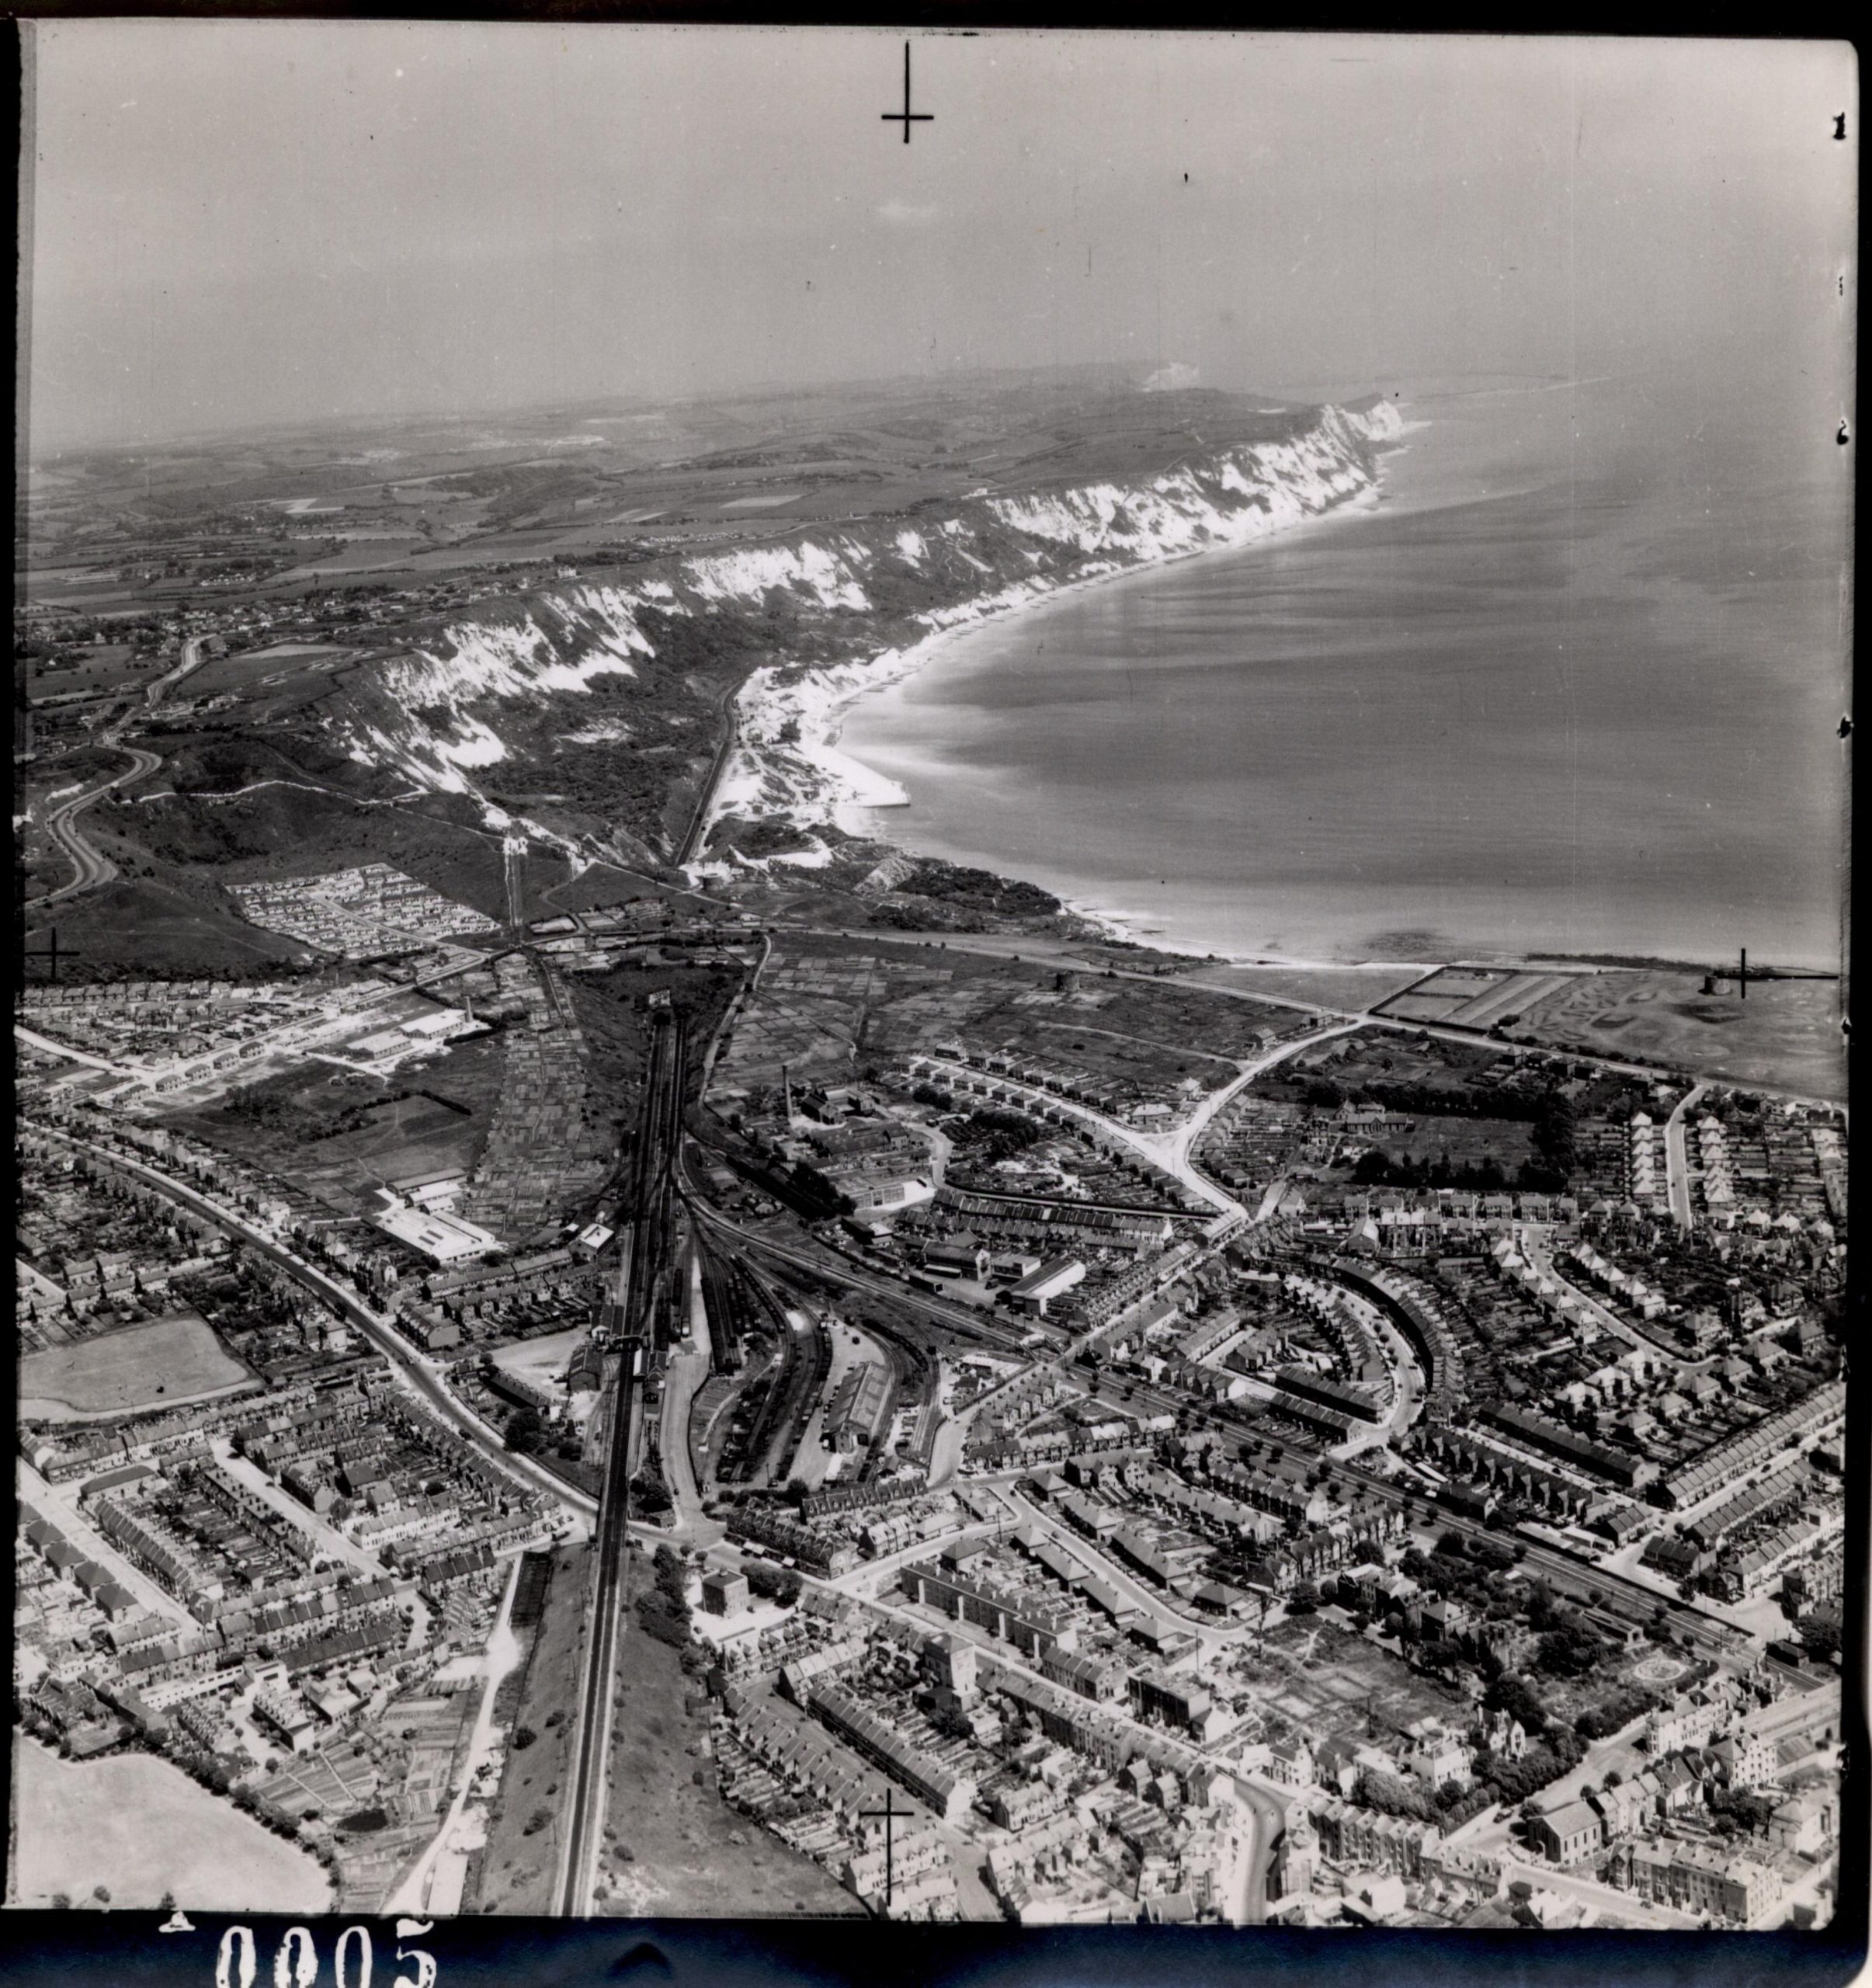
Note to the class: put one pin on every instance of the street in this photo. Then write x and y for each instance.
(1676, 1158)
(422, 1376)
(91, 866)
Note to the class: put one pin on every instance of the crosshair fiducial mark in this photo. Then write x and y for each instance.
(51, 953)
(891, 1814)
(907, 116)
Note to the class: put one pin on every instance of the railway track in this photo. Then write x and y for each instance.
(630, 1313)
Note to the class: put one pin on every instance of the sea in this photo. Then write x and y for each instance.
(1571, 687)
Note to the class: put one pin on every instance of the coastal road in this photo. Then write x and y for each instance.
(628, 1318)
(90, 865)
(1069, 954)
(1676, 1157)
(705, 799)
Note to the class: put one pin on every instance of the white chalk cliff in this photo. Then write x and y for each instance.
(551, 675)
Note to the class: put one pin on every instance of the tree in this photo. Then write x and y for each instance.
(526, 1431)
(1512, 1693)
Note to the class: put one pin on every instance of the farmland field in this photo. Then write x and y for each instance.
(174, 1360)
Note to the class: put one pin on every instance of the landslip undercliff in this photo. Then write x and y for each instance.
(588, 717)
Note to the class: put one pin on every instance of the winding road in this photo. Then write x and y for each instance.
(1267, 1817)
(90, 865)
(1676, 1157)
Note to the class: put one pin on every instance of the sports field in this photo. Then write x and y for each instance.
(172, 1360)
(140, 1828)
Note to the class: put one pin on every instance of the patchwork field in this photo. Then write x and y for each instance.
(173, 1359)
(1473, 997)
(824, 1004)
(1330, 1682)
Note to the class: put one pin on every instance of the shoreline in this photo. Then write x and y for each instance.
(791, 764)
(847, 791)
(850, 809)
(919, 655)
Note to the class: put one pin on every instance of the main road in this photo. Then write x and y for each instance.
(422, 1377)
(1070, 955)
(90, 865)
(192, 660)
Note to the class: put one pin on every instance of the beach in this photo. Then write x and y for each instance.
(788, 759)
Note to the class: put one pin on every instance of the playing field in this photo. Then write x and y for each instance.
(173, 1359)
(140, 1828)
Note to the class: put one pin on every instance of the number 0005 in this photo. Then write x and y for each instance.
(296, 1958)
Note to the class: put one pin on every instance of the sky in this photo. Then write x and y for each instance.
(243, 224)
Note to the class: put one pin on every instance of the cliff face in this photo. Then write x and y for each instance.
(586, 717)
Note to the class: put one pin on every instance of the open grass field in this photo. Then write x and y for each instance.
(108, 667)
(1786, 1033)
(674, 1848)
(1353, 988)
(149, 927)
(285, 663)
(141, 1828)
(173, 1359)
